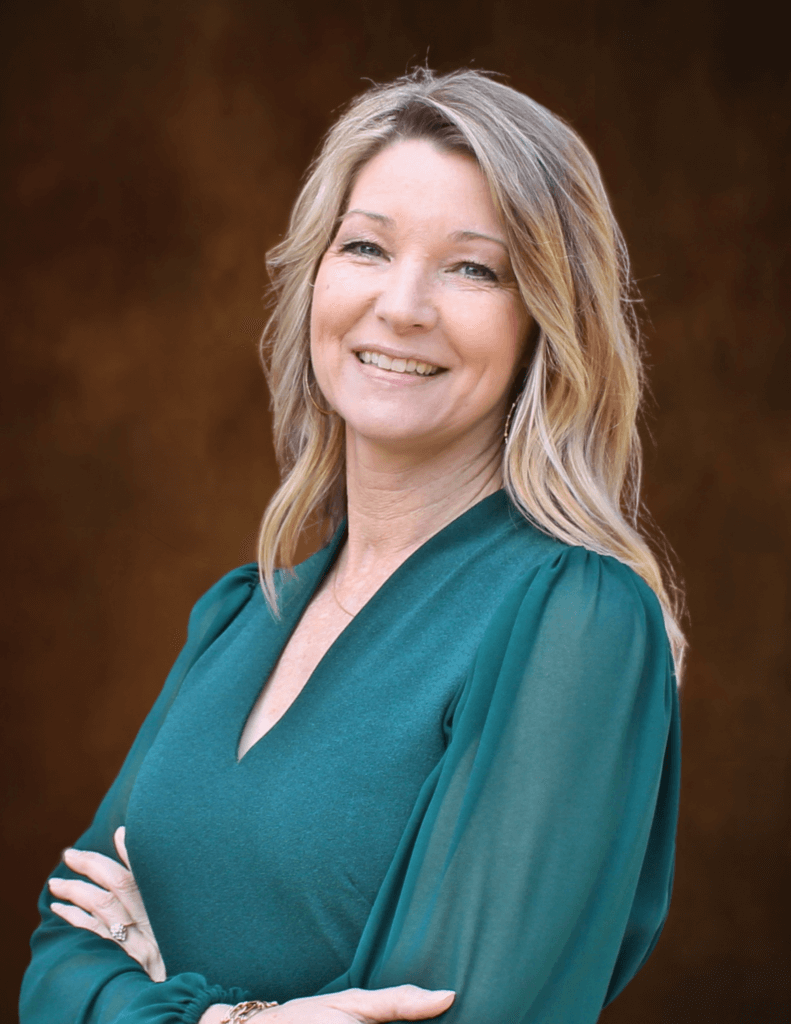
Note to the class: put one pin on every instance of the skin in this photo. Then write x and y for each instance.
(418, 270)
(419, 450)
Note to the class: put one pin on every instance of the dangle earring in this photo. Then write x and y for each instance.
(510, 415)
(309, 393)
(522, 379)
(508, 420)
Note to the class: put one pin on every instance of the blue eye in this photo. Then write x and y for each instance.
(361, 248)
(480, 272)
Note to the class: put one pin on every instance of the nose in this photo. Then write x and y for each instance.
(406, 300)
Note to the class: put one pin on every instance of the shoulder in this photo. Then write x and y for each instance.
(222, 602)
(589, 581)
(579, 639)
(580, 597)
(581, 636)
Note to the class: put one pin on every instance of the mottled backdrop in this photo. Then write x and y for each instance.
(151, 152)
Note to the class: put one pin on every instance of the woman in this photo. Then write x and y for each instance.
(441, 756)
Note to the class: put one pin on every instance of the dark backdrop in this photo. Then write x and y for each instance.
(152, 151)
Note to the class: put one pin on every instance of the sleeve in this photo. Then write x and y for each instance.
(534, 876)
(77, 977)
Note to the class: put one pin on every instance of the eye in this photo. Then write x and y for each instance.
(362, 248)
(477, 272)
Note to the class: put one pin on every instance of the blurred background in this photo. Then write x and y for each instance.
(151, 152)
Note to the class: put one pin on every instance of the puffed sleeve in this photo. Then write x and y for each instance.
(535, 873)
(77, 977)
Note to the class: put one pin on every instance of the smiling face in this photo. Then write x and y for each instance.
(417, 326)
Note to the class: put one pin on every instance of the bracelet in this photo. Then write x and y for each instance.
(244, 1011)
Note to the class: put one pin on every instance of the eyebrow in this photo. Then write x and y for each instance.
(380, 217)
(457, 236)
(467, 236)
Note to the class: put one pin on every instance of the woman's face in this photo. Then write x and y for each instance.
(417, 326)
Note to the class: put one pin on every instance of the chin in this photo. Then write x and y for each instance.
(397, 437)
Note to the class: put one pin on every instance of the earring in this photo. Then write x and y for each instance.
(508, 417)
(521, 383)
(309, 393)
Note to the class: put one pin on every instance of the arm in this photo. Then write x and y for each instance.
(534, 876)
(77, 977)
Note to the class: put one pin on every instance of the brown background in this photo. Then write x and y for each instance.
(152, 151)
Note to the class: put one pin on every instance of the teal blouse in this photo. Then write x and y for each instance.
(476, 790)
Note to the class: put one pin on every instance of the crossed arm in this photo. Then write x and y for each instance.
(110, 898)
(552, 811)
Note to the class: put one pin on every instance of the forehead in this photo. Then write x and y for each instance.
(416, 178)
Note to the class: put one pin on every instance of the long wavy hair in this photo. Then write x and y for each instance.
(572, 459)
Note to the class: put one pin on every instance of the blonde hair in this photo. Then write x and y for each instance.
(572, 459)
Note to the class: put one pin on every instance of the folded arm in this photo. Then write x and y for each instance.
(77, 976)
(535, 874)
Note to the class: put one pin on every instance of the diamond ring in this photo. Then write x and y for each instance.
(118, 932)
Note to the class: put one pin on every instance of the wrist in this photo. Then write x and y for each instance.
(249, 1010)
(214, 1014)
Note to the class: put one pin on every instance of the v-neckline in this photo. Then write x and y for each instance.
(321, 570)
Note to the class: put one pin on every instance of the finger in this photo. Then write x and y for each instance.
(129, 892)
(105, 871)
(402, 1002)
(79, 918)
(100, 902)
(120, 844)
(117, 901)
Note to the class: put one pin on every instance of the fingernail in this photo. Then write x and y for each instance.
(445, 992)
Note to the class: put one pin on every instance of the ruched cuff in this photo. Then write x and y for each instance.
(201, 1002)
(182, 999)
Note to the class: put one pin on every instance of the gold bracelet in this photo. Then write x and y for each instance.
(244, 1011)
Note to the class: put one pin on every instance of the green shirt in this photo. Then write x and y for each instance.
(475, 790)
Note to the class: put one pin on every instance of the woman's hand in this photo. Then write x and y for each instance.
(352, 1006)
(114, 900)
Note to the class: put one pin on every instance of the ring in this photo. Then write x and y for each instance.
(118, 932)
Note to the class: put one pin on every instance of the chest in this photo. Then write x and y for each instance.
(285, 849)
(319, 627)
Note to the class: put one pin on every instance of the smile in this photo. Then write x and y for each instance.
(384, 362)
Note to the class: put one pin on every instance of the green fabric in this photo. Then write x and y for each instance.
(477, 789)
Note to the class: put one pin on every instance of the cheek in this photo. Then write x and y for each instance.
(338, 302)
(323, 311)
(492, 337)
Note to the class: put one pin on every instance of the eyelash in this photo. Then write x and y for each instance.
(354, 247)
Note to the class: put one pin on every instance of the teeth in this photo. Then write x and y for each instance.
(398, 365)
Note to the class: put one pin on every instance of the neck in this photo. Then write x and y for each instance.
(397, 501)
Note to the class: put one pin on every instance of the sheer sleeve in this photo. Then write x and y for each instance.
(534, 876)
(77, 977)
